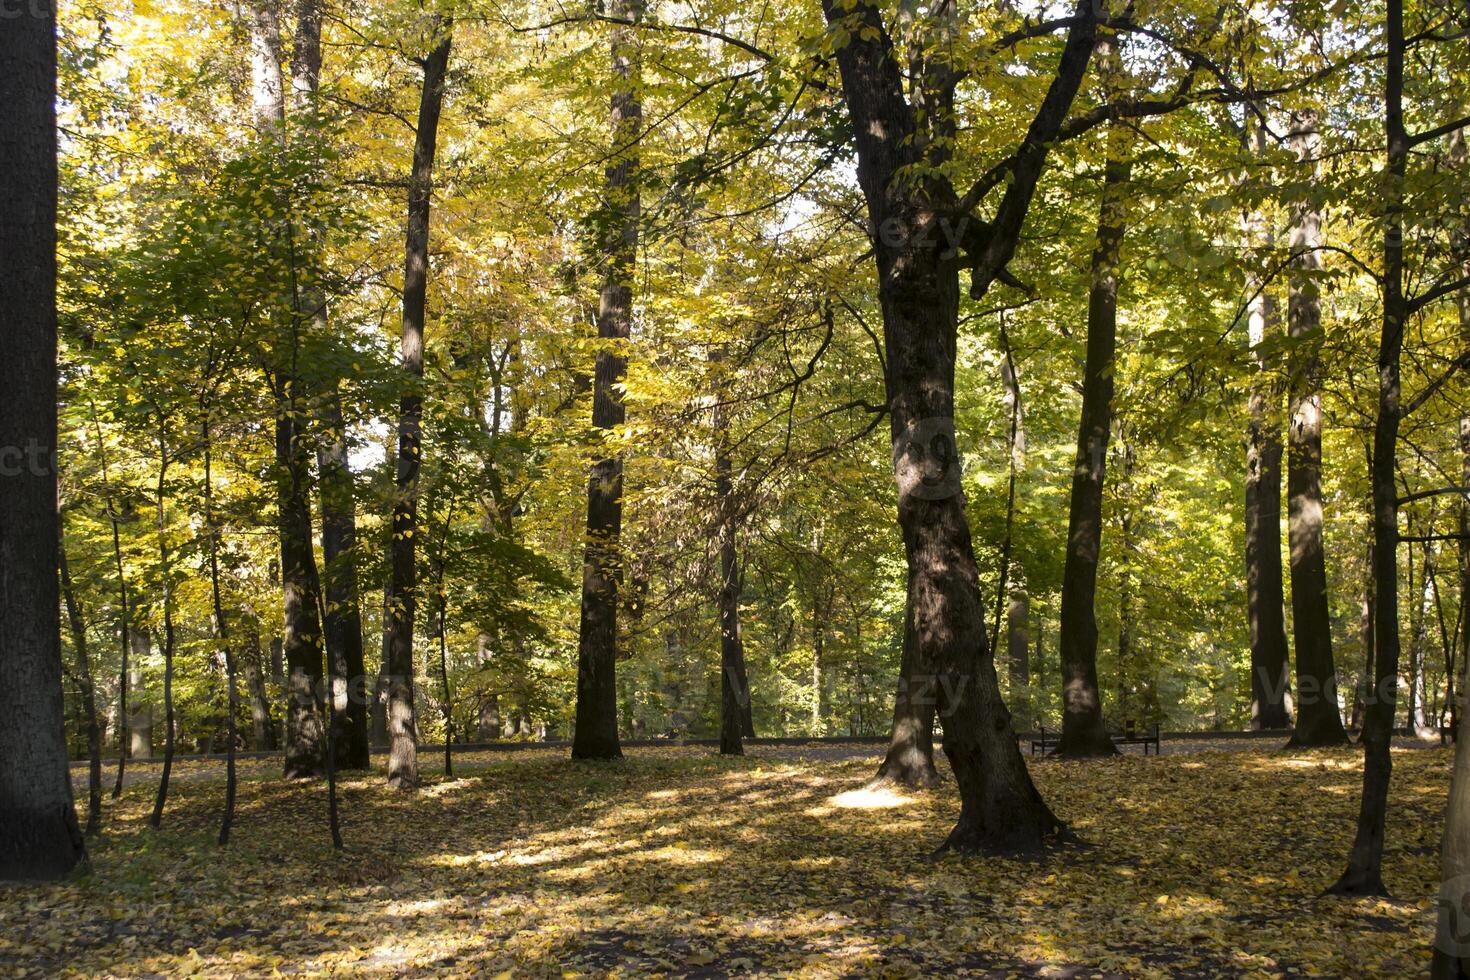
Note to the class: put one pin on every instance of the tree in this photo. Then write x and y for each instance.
(39, 835)
(1265, 595)
(1318, 720)
(597, 648)
(1083, 732)
(918, 292)
(403, 770)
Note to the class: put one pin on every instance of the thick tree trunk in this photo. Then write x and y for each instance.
(910, 758)
(300, 589)
(1083, 732)
(88, 692)
(1265, 594)
(342, 609)
(596, 734)
(1318, 715)
(918, 292)
(1364, 873)
(39, 836)
(403, 772)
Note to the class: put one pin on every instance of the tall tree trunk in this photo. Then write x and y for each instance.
(1018, 601)
(1452, 934)
(596, 734)
(1128, 675)
(300, 588)
(39, 836)
(918, 292)
(165, 574)
(88, 692)
(1364, 873)
(343, 625)
(1083, 732)
(735, 708)
(1265, 598)
(1318, 715)
(403, 770)
(222, 637)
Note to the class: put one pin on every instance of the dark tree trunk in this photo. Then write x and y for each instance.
(165, 574)
(918, 292)
(1018, 602)
(1265, 592)
(343, 612)
(596, 734)
(403, 767)
(910, 758)
(1083, 733)
(222, 637)
(88, 692)
(1318, 716)
(300, 588)
(1364, 874)
(39, 836)
(735, 707)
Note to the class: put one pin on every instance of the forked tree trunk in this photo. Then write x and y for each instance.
(39, 836)
(1364, 873)
(1083, 732)
(1318, 715)
(918, 292)
(403, 770)
(596, 735)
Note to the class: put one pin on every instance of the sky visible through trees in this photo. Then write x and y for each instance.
(986, 385)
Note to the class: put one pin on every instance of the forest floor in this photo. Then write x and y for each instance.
(676, 861)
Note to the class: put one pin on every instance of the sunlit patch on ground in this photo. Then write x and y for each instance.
(778, 864)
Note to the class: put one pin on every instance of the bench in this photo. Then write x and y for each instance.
(1128, 736)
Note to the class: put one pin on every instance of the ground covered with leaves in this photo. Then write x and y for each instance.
(784, 862)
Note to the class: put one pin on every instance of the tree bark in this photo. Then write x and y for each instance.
(1265, 594)
(1083, 733)
(39, 836)
(1318, 715)
(1364, 873)
(918, 292)
(403, 772)
(735, 707)
(342, 608)
(263, 724)
(596, 734)
(1452, 933)
(165, 573)
(88, 692)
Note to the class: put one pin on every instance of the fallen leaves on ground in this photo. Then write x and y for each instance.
(784, 863)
